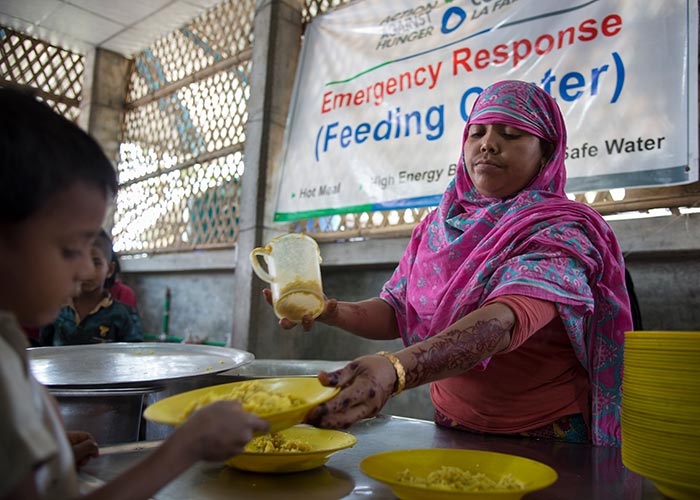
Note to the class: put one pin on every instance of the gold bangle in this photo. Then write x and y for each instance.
(398, 368)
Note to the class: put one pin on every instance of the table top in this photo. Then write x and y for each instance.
(585, 471)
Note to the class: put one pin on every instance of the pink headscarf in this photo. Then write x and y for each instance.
(537, 243)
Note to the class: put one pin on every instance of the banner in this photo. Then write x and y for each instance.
(383, 90)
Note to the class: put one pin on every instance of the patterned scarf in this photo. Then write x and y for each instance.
(537, 243)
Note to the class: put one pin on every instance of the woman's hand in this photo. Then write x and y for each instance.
(84, 447)
(219, 431)
(367, 384)
(330, 309)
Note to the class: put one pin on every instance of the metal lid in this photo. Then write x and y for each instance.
(130, 363)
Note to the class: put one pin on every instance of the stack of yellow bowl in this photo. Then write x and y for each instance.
(661, 410)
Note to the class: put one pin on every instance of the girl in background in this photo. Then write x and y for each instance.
(94, 316)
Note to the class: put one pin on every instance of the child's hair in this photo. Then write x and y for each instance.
(104, 243)
(117, 267)
(42, 154)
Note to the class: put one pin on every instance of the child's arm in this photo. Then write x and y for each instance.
(216, 432)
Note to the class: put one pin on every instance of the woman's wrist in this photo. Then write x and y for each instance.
(399, 370)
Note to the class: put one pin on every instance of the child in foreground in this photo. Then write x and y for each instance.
(55, 184)
(93, 316)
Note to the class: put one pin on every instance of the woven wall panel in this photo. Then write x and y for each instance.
(199, 119)
(54, 73)
(194, 207)
(362, 225)
(220, 34)
(313, 8)
(181, 157)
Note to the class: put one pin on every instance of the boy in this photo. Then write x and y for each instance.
(94, 316)
(55, 184)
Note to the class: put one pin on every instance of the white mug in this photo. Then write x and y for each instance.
(294, 274)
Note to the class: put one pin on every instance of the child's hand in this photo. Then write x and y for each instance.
(220, 430)
(84, 447)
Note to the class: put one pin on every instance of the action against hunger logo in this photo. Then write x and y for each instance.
(413, 24)
(406, 26)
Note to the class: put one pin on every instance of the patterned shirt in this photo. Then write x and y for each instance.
(110, 321)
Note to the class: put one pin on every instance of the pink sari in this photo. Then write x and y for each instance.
(536, 243)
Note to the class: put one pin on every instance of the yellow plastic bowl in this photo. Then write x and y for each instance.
(681, 363)
(635, 375)
(654, 387)
(683, 411)
(385, 467)
(662, 462)
(648, 465)
(652, 335)
(663, 355)
(171, 410)
(678, 490)
(663, 341)
(678, 367)
(660, 458)
(324, 443)
(674, 442)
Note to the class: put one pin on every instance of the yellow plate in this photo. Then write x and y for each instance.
(662, 411)
(670, 379)
(385, 467)
(171, 410)
(641, 426)
(683, 366)
(678, 491)
(662, 336)
(655, 463)
(660, 355)
(323, 443)
(651, 471)
(654, 388)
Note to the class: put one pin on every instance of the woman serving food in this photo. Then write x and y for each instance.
(510, 298)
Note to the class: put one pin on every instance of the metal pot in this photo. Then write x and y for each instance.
(110, 415)
(102, 388)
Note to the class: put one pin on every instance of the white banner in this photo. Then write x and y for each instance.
(383, 90)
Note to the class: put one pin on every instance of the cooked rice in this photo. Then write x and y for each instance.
(253, 397)
(277, 443)
(456, 479)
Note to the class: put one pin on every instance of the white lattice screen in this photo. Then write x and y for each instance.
(54, 74)
(181, 158)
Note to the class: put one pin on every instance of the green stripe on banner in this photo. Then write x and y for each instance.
(310, 214)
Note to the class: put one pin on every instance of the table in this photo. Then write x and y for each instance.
(585, 472)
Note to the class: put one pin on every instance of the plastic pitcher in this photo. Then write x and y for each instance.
(294, 274)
